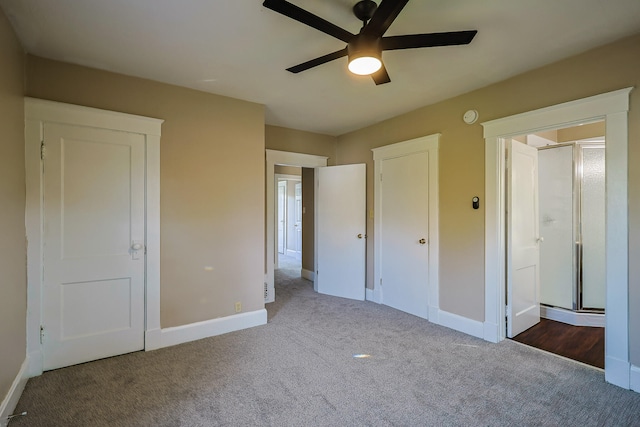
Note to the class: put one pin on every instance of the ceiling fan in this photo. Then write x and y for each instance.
(364, 49)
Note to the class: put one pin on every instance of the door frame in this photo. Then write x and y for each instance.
(612, 107)
(285, 158)
(430, 144)
(37, 113)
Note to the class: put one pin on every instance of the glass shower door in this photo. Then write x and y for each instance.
(592, 228)
(556, 204)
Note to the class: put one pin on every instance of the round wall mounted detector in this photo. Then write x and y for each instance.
(470, 117)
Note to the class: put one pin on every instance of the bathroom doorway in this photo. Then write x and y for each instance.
(571, 223)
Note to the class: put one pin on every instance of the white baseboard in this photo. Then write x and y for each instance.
(572, 318)
(634, 378)
(369, 294)
(10, 401)
(459, 323)
(491, 332)
(434, 313)
(308, 274)
(208, 328)
(376, 295)
(617, 372)
(153, 339)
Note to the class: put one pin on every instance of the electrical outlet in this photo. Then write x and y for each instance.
(238, 307)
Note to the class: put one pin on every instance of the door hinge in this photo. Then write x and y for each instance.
(43, 150)
(380, 177)
(381, 281)
(41, 334)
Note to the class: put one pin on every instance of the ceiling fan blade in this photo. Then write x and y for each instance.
(412, 41)
(294, 12)
(381, 76)
(318, 61)
(387, 12)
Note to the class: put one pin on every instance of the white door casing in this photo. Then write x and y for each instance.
(523, 250)
(282, 200)
(93, 244)
(406, 211)
(341, 231)
(37, 114)
(612, 107)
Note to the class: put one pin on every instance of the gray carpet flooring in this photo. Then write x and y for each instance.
(300, 370)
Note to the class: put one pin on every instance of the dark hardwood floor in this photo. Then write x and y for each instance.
(582, 343)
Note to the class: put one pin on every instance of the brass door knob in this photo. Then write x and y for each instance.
(422, 241)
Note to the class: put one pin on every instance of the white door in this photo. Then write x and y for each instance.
(404, 230)
(523, 254)
(298, 219)
(341, 228)
(93, 238)
(282, 198)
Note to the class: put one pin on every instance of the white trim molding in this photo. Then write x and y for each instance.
(634, 378)
(37, 113)
(308, 274)
(284, 158)
(429, 144)
(573, 318)
(612, 107)
(10, 401)
(168, 337)
(459, 323)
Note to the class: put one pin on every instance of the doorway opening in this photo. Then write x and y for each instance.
(571, 233)
(612, 107)
(282, 162)
(289, 217)
(336, 218)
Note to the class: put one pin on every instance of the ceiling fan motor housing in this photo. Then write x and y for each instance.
(364, 10)
(362, 45)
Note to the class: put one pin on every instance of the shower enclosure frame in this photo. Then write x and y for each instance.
(577, 164)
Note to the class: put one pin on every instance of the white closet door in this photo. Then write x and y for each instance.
(405, 233)
(93, 233)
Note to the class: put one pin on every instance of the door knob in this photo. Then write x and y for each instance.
(137, 246)
(422, 241)
(360, 236)
(540, 239)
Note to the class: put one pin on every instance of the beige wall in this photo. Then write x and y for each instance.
(297, 141)
(288, 170)
(13, 281)
(211, 216)
(576, 133)
(604, 69)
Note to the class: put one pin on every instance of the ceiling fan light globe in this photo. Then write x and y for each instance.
(364, 65)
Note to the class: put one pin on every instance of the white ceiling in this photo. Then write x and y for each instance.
(238, 48)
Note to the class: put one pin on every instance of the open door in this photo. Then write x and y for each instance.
(341, 228)
(523, 254)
